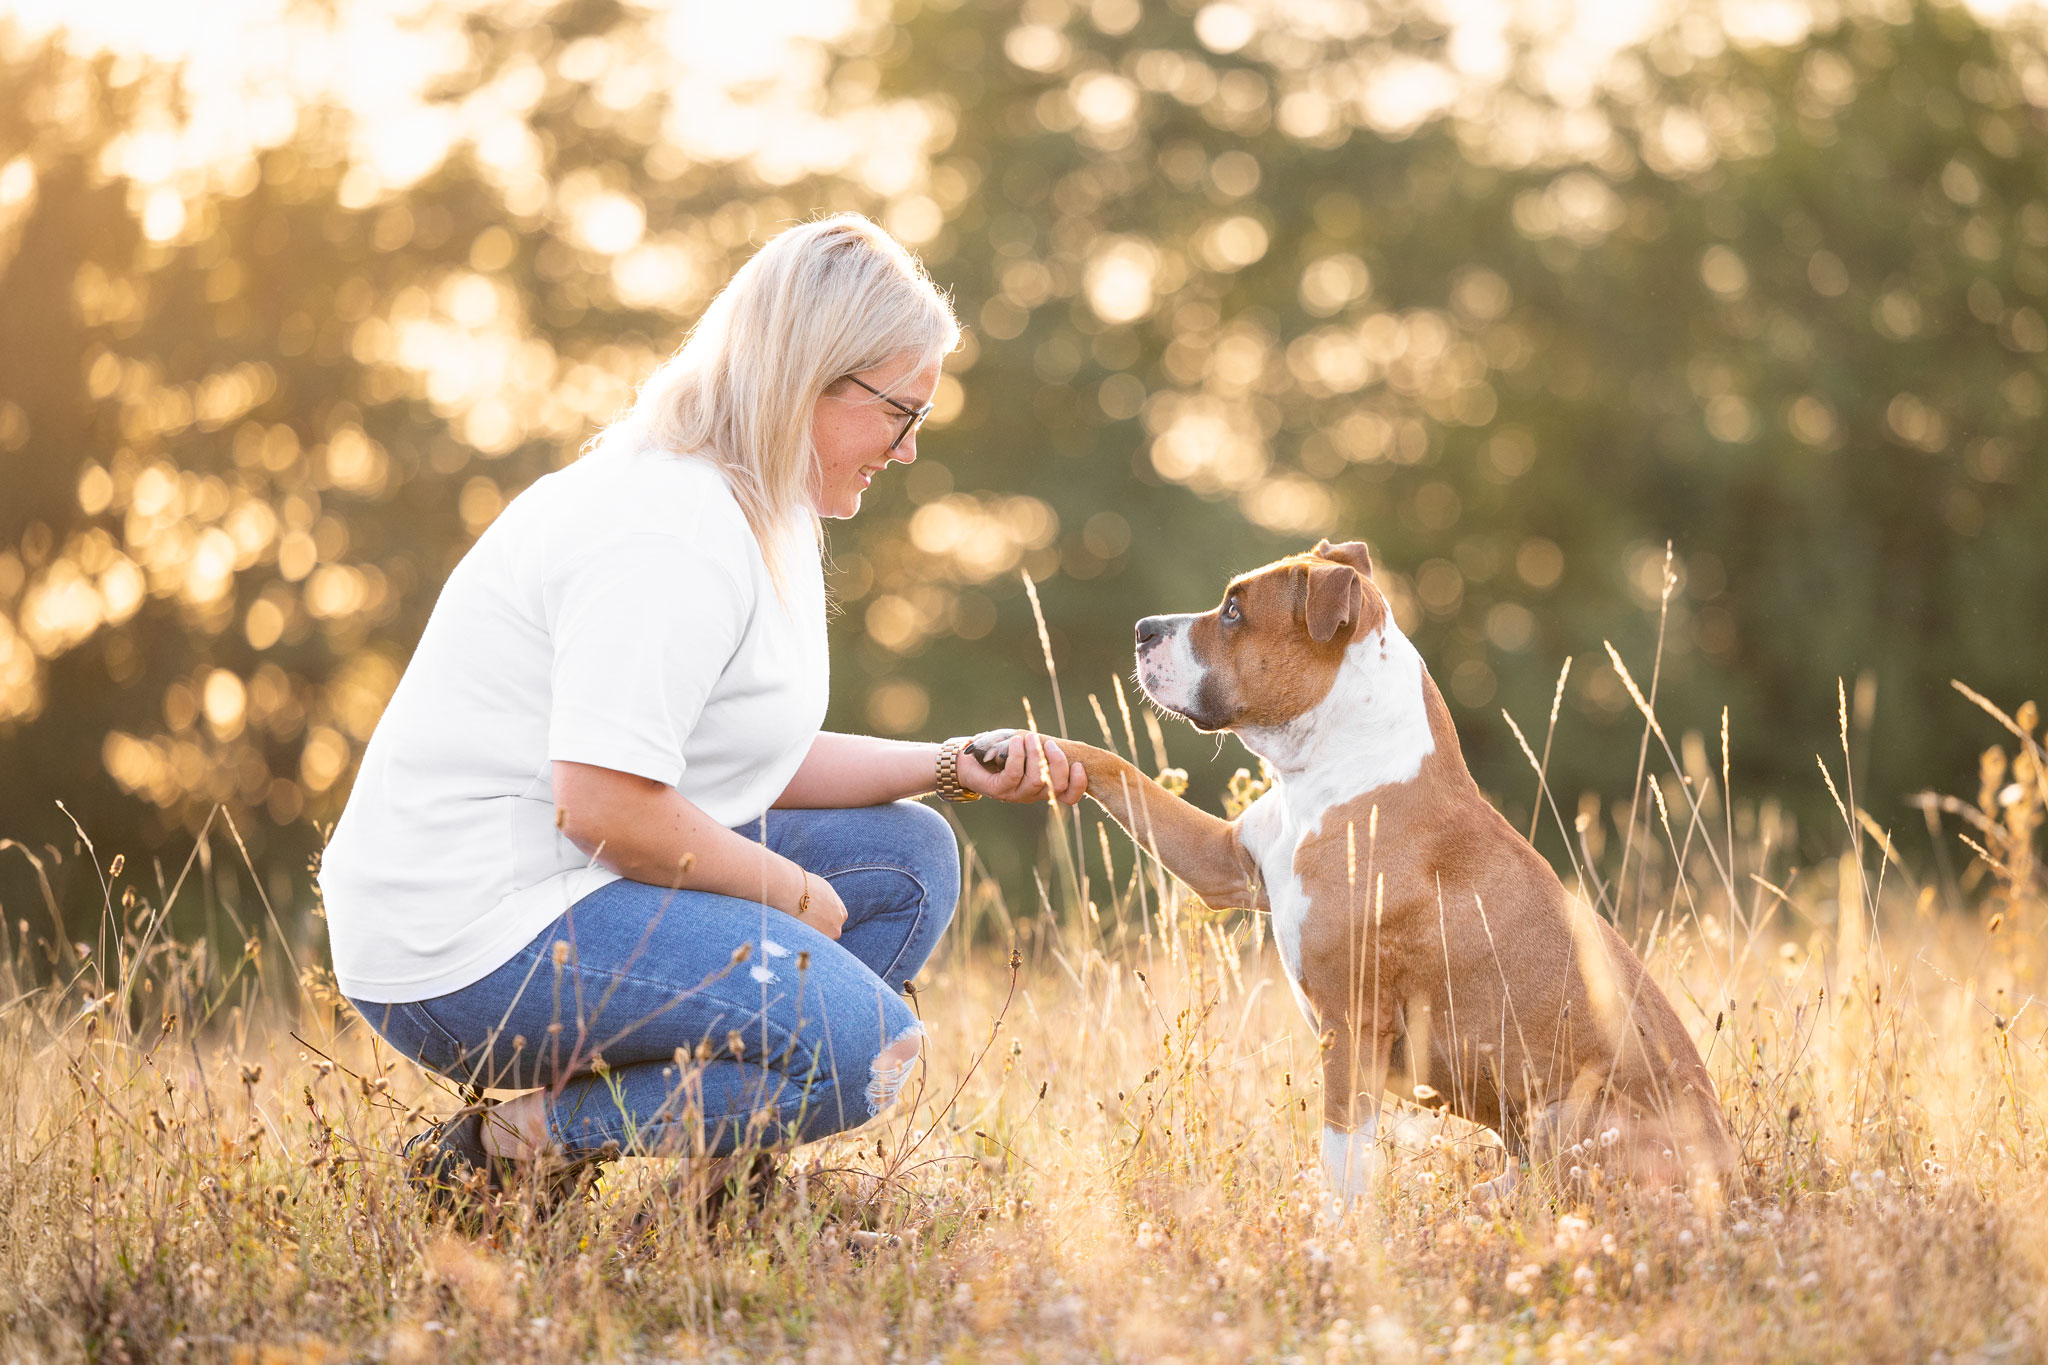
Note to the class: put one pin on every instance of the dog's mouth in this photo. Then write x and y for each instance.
(1171, 694)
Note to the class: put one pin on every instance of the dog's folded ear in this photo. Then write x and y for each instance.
(1352, 552)
(1336, 600)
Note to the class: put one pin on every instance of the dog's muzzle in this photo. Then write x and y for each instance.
(1168, 670)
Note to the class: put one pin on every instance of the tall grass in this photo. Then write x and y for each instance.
(1110, 1151)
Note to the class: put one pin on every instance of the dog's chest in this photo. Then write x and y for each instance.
(1272, 835)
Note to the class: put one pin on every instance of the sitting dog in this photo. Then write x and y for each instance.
(1426, 940)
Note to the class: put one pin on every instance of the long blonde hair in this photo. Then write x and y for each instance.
(819, 302)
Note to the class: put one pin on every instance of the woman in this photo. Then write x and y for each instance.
(598, 848)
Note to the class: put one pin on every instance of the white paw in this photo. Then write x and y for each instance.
(1354, 1164)
(1489, 1193)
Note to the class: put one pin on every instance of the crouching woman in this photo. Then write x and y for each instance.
(598, 849)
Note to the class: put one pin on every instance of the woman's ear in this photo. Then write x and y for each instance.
(1336, 600)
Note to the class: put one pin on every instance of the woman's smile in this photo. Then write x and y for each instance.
(849, 425)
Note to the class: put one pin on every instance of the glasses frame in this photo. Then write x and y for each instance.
(913, 418)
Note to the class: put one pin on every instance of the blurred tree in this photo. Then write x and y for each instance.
(1236, 275)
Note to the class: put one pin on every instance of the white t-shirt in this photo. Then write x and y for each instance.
(618, 613)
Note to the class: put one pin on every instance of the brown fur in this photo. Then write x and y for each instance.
(1473, 972)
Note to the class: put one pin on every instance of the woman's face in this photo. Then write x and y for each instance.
(852, 430)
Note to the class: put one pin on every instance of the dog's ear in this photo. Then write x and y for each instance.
(1336, 600)
(1352, 552)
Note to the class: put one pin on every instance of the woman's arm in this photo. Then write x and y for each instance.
(649, 832)
(861, 770)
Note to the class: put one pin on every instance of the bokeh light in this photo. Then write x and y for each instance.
(1516, 292)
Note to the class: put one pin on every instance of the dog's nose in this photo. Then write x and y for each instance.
(1150, 629)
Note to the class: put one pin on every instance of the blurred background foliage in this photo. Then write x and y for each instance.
(293, 298)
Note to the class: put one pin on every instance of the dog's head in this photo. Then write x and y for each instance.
(1270, 650)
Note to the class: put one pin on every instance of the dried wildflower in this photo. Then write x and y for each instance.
(1243, 789)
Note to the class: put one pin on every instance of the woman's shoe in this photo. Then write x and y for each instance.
(446, 1162)
(701, 1191)
(750, 1178)
(559, 1179)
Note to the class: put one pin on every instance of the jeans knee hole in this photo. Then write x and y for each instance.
(892, 1067)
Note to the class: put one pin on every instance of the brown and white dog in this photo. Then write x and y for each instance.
(1427, 942)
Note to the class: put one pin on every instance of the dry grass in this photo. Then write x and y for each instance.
(1112, 1153)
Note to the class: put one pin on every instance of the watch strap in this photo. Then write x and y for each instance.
(948, 787)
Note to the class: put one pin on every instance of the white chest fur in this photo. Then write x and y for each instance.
(1271, 836)
(1371, 731)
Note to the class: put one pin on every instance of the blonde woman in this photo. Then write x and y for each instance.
(599, 849)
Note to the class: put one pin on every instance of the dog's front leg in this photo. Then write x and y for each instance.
(1200, 849)
(1356, 1057)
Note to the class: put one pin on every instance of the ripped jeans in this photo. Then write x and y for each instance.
(689, 1022)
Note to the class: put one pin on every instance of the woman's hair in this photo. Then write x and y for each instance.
(819, 302)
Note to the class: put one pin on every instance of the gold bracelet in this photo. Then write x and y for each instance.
(949, 788)
(803, 903)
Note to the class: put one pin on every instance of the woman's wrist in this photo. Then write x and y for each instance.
(790, 883)
(948, 774)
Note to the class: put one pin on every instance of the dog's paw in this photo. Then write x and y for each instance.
(991, 748)
(1488, 1195)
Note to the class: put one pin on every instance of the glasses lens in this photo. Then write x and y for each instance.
(910, 424)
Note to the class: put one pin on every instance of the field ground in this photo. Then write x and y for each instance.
(1111, 1153)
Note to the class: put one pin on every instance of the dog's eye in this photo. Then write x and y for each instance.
(1230, 611)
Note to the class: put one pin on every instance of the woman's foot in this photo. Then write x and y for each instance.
(452, 1164)
(700, 1191)
(446, 1162)
(747, 1177)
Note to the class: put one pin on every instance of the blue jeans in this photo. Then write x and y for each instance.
(682, 1021)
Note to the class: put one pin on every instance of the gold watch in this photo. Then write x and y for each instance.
(949, 788)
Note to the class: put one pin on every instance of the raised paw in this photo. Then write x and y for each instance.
(991, 748)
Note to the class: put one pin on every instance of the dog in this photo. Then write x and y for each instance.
(1429, 944)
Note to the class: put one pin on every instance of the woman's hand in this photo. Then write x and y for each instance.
(824, 912)
(1033, 765)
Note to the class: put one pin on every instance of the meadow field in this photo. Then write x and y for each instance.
(1110, 1152)
(1714, 328)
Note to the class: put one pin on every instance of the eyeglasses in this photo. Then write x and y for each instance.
(913, 418)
